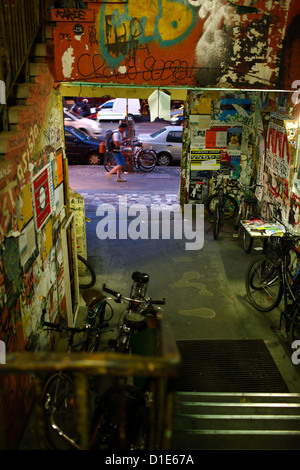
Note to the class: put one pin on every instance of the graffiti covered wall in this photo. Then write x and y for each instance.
(167, 42)
(31, 265)
(249, 138)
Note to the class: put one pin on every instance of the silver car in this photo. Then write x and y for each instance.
(86, 125)
(166, 143)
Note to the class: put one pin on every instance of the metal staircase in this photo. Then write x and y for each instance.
(239, 421)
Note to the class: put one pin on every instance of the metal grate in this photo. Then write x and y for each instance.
(228, 366)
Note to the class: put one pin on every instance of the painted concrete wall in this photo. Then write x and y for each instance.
(182, 42)
(31, 208)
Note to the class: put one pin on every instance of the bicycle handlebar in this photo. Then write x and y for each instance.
(60, 328)
(287, 234)
(120, 297)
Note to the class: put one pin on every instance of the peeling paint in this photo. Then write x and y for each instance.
(67, 62)
(122, 69)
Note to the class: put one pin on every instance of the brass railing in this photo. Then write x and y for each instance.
(158, 369)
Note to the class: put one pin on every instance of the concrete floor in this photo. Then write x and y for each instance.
(204, 289)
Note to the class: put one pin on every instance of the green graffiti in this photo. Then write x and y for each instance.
(121, 34)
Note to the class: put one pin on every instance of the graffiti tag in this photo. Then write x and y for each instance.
(93, 66)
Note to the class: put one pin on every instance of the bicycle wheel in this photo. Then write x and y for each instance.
(295, 325)
(58, 402)
(86, 273)
(247, 241)
(217, 221)
(146, 160)
(230, 205)
(263, 284)
(109, 161)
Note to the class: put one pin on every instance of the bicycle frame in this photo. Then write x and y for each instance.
(218, 216)
(288, 290)
(131, 153)
(96, 304)
(134, 319)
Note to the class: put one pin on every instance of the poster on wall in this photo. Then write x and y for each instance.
(27, 244)
(198, 125)
(235, 162)
(205, 159)
(42, 190)
(234, 137)
(216, 138)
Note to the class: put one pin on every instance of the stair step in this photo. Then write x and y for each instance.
(13, 137)
(26, 90)
(14, 113)
(237, 397)
(203, 420)
(237, 408)
(38, 68)
(238, 422)
(191, 439)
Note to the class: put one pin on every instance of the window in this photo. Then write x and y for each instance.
(155, 134)
(107, 105)
(174, 136)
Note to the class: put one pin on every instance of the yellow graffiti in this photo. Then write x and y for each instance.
(167, 22)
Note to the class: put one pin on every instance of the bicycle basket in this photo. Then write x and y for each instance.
(273, 250)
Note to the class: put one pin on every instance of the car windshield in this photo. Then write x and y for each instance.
(155, 134)
(77, 132)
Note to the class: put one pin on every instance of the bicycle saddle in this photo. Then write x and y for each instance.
(135, 320)
(140, 277)
(92, 297)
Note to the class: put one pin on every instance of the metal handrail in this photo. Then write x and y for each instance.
(160, 369)
(20, 22)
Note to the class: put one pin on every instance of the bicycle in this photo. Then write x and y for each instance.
(230, 205)
(136, 335)
(275, 275)
(221, 206)
(59, 397)
(136, 157)
(139, 313)
(247, 211)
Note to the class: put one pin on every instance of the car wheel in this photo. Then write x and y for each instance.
(94, 158)
(163, 159)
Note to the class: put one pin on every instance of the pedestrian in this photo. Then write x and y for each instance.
(118, 156)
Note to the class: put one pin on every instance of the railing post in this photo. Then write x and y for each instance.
(2, 433)
(81, 382)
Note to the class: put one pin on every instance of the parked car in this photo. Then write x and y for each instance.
(177, 116)
(86, 125)
(81, 148)
(115, 110)
(166, 143)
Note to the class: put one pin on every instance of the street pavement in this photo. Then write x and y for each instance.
(160, 185)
